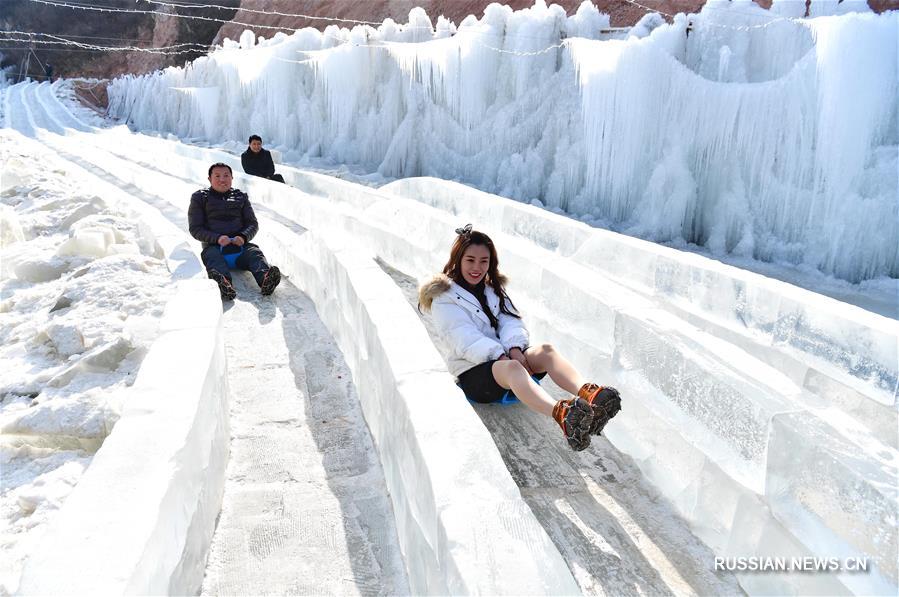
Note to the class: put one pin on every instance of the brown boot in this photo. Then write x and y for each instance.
(575, 417)
(605, 402)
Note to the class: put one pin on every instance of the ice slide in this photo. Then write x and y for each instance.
(614, 516)
(305, 506)
(639, 574)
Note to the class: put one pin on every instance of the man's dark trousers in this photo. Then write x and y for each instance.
(252, 259)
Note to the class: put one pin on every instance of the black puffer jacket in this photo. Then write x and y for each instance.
(258, 164)
(212, 214)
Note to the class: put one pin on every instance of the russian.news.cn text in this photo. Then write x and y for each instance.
(793, 564)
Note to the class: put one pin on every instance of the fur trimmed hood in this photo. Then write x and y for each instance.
(436, 286)
(433, 288)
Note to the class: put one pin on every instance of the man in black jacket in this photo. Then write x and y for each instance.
(258, 162)
(223, 220)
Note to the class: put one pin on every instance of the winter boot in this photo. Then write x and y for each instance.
(575, 417)
(605, 402)
(225, 286)
(270, 281)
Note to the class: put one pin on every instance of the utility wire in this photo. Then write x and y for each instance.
(178, 49)
(264, 12)
(162, 50)
(31, 34)
(722, 25)
(90, 7)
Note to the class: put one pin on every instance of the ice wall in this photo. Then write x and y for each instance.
(738, 129)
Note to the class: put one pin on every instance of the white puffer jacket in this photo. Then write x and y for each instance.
(466, 336)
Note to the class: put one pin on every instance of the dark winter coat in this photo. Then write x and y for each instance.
(212, 214)
(258, 164)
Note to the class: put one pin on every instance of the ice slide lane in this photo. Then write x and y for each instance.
(305, 508)
(616, 535)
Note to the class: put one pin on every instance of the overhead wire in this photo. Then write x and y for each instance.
(159, 50)
(184, 48)
(91, 7)
(52, 36)
(730, 10)
(263, 12)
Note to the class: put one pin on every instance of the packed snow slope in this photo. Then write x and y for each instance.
(744, 131)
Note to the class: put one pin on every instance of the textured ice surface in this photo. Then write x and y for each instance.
(824, 489)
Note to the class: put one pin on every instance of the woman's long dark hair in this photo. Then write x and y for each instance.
(453, 269)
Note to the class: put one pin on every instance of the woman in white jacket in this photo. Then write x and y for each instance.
(487, 346)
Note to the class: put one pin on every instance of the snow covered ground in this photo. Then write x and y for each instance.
(82, 293)
(765, 415)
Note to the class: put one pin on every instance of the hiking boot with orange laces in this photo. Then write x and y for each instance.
(575, 417)
(225, 287)
(270, 281)
(605, 402)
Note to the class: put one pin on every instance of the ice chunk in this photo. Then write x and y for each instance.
(40, 270)
(10, 229)
(14, 174)
(66, 338)
(707, 386)
(88, 241)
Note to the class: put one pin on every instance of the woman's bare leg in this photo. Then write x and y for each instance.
(510, 374)
(544, 357)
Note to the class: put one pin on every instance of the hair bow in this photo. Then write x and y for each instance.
(464, 230)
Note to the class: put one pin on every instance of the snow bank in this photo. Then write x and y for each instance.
(77, 318)
(756, 134)
(141, 519)
(87, 272)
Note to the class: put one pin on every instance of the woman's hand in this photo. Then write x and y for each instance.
(516, 354)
